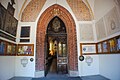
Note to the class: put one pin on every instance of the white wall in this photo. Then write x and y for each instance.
(27, 71)
(108, 63)
(101, 7)
(7, 67)
(85, 70)
(110, 66)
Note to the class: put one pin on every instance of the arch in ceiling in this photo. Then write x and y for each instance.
(80, 9)
(34, 6)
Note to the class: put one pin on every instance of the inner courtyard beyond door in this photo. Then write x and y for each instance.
(56, 58)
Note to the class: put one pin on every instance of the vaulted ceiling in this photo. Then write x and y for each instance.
(81, 10)
(32, 10)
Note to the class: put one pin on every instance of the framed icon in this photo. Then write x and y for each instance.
(25, 31)
(105, 46)
(118, 43)
(25, 49)
(2, 47)
(99, 47)
(112, 44)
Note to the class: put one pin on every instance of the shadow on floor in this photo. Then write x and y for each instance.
(61, 77)
(58, 78)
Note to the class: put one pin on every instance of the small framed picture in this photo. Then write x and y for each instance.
(112, 44)
(118, 43)
(14, 49)
(88, 48)
(26, 49)
(2, 47)
(99, 47)
(105, 46)
(11, 49)
(25, 31)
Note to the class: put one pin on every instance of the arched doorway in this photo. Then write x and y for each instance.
(56, 57)
(46, 17)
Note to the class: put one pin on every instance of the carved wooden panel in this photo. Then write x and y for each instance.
(56, 25)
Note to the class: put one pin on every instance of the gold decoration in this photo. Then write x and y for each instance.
(56, 12)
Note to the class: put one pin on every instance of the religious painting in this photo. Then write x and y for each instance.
(13, 49)
(118, 43)
(105, 46)
(2, 47)
(56, 24)
(25, 49)
(9, 48)
(112, 21)
(99, 46)
(100, 29)
(25, 31)
(112, 44)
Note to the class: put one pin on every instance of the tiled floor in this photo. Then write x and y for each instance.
(20, 78)
(95, 77)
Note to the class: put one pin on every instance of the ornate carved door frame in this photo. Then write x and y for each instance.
(65, 16)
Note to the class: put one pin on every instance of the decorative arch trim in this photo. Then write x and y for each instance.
(65, 16)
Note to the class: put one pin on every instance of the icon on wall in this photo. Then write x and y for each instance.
(25, 31)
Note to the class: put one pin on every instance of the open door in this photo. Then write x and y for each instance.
(56, 47)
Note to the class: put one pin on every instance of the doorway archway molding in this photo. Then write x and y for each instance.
(66, 17)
